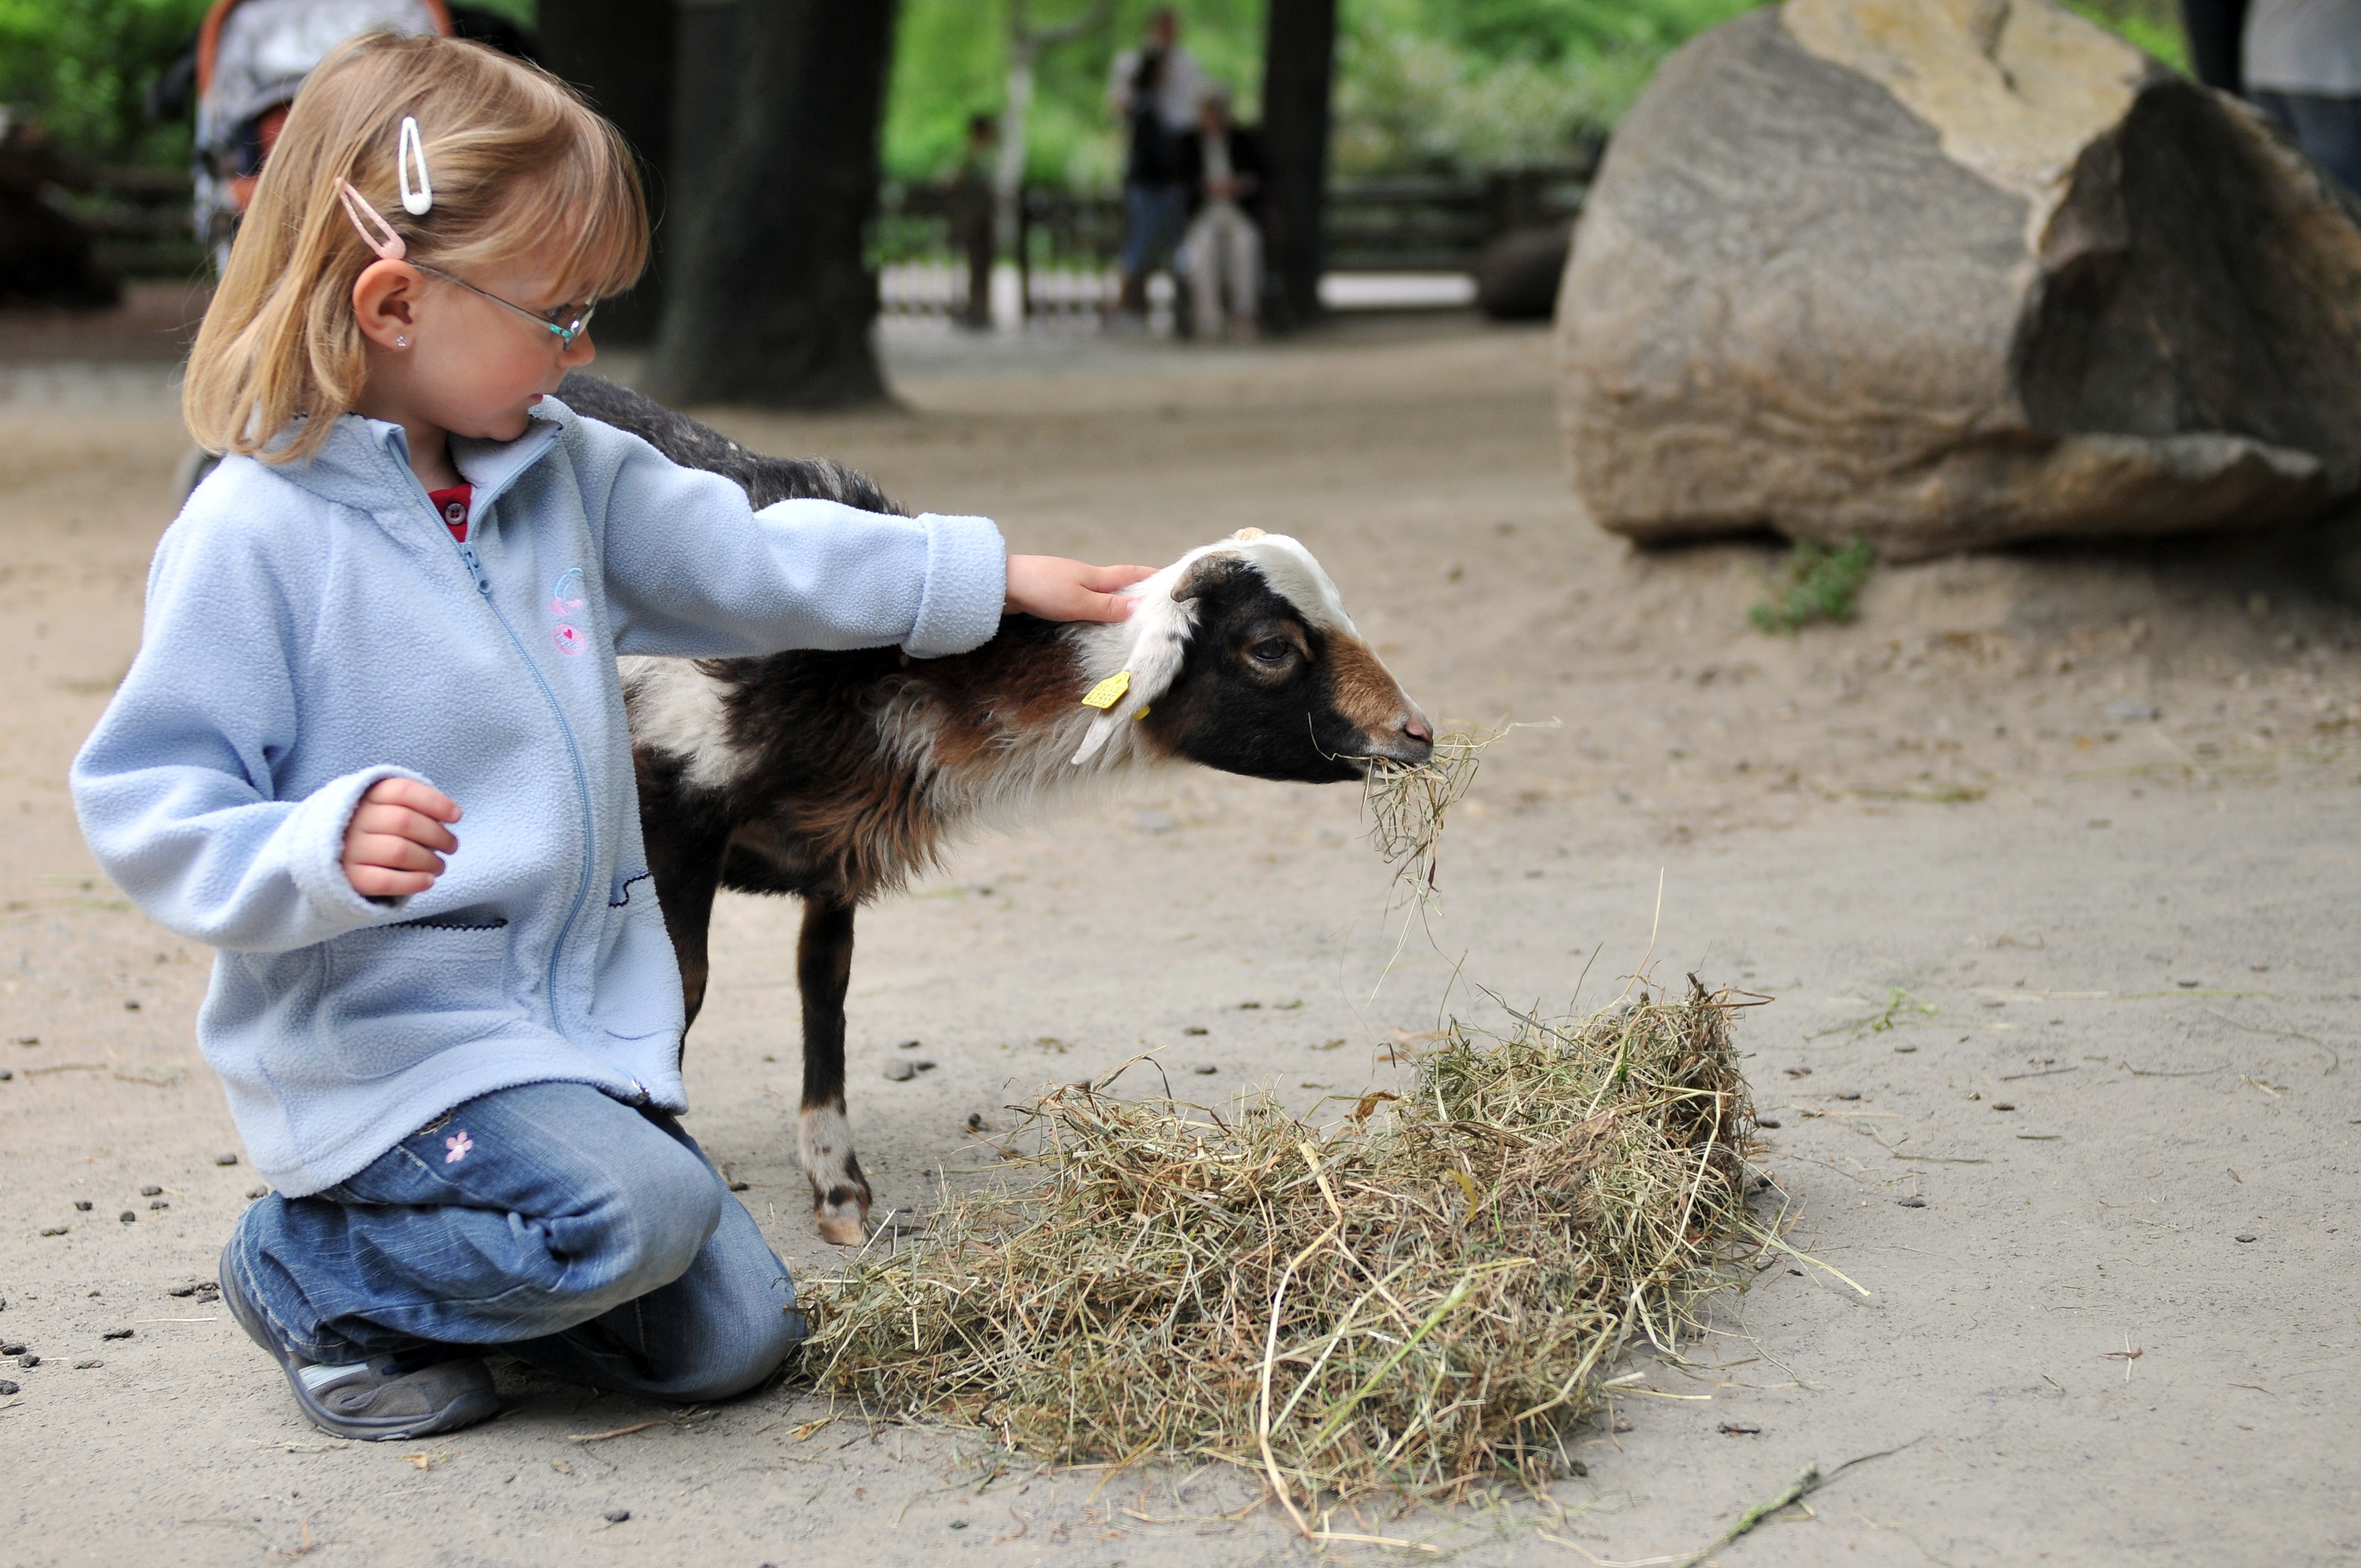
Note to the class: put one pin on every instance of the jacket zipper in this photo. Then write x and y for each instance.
(581, 780)
(573, 751)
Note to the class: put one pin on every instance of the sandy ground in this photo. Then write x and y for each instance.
(2076, 829)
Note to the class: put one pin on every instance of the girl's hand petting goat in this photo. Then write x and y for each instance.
(836, 775)
(396, 842)
(1055, 589)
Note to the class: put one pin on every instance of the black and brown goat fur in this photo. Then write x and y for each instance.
(836, 777)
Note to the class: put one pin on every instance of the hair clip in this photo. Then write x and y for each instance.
(385, 242)
(410, 149)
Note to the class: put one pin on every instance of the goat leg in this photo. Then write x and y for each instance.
(686, 847)
(823, 966)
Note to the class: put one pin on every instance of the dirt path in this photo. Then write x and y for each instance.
(2079, 828)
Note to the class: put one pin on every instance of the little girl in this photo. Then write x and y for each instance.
(399, 598)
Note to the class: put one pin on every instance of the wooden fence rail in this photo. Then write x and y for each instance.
(138, 220)
(1066, 258)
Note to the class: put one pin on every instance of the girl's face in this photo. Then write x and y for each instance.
(467, 352)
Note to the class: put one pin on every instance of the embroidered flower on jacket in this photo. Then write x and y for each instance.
(458, 1143)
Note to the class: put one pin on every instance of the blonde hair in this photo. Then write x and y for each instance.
(516, 160)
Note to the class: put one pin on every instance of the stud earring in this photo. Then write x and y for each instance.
(400, 342)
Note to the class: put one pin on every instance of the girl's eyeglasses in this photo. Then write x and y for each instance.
(577, 317)
(379, 235)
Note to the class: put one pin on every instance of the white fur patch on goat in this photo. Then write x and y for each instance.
(1154, 642)
(676, 708)
(1295, 576)
(824, 1141)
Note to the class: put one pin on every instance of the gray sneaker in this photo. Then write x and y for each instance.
(414, 1394)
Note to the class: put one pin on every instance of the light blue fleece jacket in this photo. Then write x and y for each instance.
(312, 628)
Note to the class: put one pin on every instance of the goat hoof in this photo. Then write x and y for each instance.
(844, 1226)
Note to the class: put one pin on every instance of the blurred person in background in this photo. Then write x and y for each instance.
(1155, 88)
(2299, 61)
(971, 218)
(1223, 246)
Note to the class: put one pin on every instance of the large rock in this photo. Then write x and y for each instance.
(1947, 273)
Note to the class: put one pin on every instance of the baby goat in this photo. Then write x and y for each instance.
(836, 777)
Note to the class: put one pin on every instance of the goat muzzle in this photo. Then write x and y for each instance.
(1408, 739)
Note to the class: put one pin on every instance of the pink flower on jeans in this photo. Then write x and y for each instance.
(458, 1143)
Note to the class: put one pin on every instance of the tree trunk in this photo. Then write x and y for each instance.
(705, 75)
(1008, 173)
(2213, 29)
(1299, 68)
(619, 53)
(1026, 43)
(770, 300)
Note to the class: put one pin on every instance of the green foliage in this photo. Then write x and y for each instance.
(1815, 583)
(1463, 84)
(950, 60)
(1546, 31)
(2150, 25)
(81, 69)
(1420, 84)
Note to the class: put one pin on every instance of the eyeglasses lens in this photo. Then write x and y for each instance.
(576, 327)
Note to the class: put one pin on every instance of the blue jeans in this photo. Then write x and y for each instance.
(2326, 127)
(1154, 218)
(547, 1221)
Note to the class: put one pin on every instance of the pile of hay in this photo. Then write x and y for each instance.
(1422, 1296)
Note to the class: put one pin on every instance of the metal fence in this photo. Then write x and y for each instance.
(1068, 244)
(137, 218)
(1066, 250)
(1442, 224)
(1066, 258)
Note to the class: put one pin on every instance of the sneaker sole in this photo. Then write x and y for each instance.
(466, 1410)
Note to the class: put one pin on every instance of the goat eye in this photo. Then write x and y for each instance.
(1271, 651)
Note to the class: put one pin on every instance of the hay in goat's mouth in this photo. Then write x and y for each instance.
(1421, 1297)
(1406, 805)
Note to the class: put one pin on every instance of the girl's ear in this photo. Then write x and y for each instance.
(385, 297)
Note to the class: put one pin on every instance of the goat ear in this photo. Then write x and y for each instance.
(1158, 647)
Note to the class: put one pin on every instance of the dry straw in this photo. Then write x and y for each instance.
(1406, 805)
(1421, 1297)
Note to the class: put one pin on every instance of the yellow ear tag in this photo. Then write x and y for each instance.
(1108, 692)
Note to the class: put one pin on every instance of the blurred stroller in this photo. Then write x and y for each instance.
(241, 71)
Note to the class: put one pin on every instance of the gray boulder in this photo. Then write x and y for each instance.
(1941, 274)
